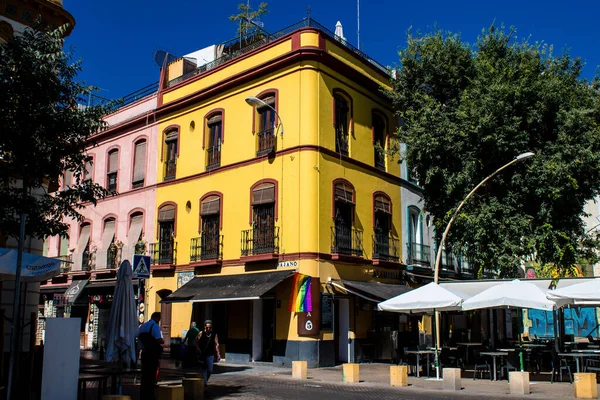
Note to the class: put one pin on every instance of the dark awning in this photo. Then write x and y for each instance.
(74, 290)
(373, 291)
(227, 287)
(44, 289)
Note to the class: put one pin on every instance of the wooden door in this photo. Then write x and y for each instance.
(165, 323)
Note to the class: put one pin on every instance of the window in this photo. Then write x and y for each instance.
(263, 237)
(139, 164)
(384, 245)
(27, 16)
(210, 228)
(113, 167)
(345, 239)
(83, 247)
(417, 252)
(171, 152)
(135, 245)
(214, 125)
(108, 252)
(68, 179)
(163, 251)
(266, 123)
(379, 136)
(88, 172)
(342, 121)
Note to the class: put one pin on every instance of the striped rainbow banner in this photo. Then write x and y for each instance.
(301, 298)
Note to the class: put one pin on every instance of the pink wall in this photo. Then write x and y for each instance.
(128, 200)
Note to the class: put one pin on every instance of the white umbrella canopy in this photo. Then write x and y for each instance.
(423, 299)
(582, 293)
(122, 323)
(34, 268)
(339, 31)
(518, 294)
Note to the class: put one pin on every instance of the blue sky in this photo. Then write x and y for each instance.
(116, 39)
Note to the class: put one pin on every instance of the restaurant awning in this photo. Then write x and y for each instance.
(372, 291)
(227, 287)
(74, 290)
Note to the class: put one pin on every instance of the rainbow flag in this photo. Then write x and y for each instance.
(300, 298)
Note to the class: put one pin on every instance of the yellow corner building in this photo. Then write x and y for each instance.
(272, 162)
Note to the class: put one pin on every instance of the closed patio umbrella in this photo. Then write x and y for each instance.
(122, 323)
(34, 268)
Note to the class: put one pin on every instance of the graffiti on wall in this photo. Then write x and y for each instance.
(578, 322)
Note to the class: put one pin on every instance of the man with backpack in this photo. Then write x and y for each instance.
(151, 341)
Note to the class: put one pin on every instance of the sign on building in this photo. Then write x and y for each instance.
(141, 266)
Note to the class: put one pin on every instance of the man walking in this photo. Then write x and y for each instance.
(208, 343)
(151, 343)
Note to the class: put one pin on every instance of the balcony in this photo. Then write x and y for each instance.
(449, 262)
(163, 253)
(207, 249)
(263, 243)
(65, 263)
(379, 159)
(385, 248)
(213, 157)
(113, 257)
(341, 142)
(86, 261)
(419, 254)
(346, 241)
(266, 142)
(170, 170)
(111, 178)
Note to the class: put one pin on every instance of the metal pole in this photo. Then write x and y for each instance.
(358, 24)
(14, 330)
(438, 259)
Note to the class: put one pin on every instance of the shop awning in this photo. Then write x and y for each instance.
(74, 290)
(372, 291)
(227, 287)
(45, 289)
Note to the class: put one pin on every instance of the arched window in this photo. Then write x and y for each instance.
(108, 257)
(342, 120)
(265, 122)
(88, 173)
(112, 170)
(379, 135)
(385, 247)
(213, 137)
(208, 245)
(163, 252)
(417, 252)
(139, 164)
(171, 151)
(83, 256)
(263, 237)
(345, 239)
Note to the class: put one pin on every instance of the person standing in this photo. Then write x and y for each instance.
(151, 342)
(190, 354)
(208, 344)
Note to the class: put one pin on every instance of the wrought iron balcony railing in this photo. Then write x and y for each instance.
(419, 254)
(341, 142)
(163, 253)
(170, 169)
(266, 142)
(66, 263)
(379, 160)
(346, 240)
(213, 157)
(385, 247)
(111, 178)
(206, 247)
(86, 261)
(449, 262)
(113, 257)
(260, 241)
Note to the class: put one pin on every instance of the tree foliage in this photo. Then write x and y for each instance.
(43, 132)
(246, 14)
(467, 110)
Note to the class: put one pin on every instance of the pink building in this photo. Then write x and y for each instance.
(124, 163)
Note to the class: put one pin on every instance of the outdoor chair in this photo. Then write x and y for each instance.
(481, 365)
(592, 365)
(404, 360)
(558, 366)
(511, 363)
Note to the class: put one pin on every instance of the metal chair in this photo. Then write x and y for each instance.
(558, 366)
(481, 365)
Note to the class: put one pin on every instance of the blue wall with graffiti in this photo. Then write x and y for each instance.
(578, 322)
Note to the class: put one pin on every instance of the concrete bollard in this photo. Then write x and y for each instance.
(115, 397)
(350, 373)
(194, 375)
(585, 385)
(519, 382)
(300, 369)
(193, 388)
(452, 378)
(399, 375)
(169, 393)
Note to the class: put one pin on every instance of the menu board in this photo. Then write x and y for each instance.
(326, 312)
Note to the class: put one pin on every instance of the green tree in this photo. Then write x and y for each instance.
(246, 14)
(43, 132)
(468, 109)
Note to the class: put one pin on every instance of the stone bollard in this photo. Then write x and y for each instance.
(452, 378)
(585, 385)
(399, 375)
(193, 388)
(300, 369)
(194, 375)
(169, 393)
(115, 397)
(350, 373)
(519, 382)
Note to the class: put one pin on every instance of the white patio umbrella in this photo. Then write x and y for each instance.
(424, 299)
(580, 293)
(34, 268)
(339, 31)
(122, 323)
(518, 294)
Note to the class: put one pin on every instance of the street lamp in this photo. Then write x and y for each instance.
(520, 157)
(256, 102)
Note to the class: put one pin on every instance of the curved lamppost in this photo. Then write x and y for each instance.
(520, 157)
(256, 102)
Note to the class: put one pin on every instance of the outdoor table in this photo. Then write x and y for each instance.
(85, 378)
(419, 353)
(579, 356)
(494, 354)
(467, 345)
(113, 373)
